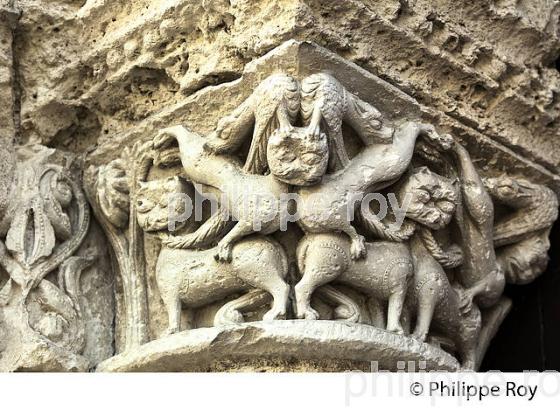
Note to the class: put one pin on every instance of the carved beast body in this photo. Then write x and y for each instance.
(193, 278)
(326, 207)
(248, 198)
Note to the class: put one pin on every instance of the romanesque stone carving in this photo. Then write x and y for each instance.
(43, 223)
(414, 280)
(248, 197)
(521, 237)
(192, 278)
(294, 264)
(111, 190)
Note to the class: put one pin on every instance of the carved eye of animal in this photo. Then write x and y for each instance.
(506, 190)
(446, 206)
(423, 196)
(144, 205)
(376, 124)
(288, 156)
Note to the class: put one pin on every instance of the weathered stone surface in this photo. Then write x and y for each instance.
(115, 63)
(332, 343)
(115, 105)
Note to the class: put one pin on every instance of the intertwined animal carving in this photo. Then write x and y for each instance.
(192, 278)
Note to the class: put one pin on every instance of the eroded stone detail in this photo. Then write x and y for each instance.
(416, 282)
(198, 99)
(44, 223)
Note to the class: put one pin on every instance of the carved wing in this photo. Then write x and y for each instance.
(277, 104)
(323, 99)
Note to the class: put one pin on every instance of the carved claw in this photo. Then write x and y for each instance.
(419, 337)
(308, 314)
(163, 139)
(224, 253)
(215, 145)
(442, 142)
(274, 314)
(231, 317)
(397, 330)
(314, 131)
(358, 248)
(223, 123)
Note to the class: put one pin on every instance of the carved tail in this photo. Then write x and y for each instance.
(208, 232)
(378, 229)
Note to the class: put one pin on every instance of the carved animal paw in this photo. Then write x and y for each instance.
(163, 139)
(466, 302)
(420, 337)
(221, 131)
(442, 142)
(358, 248)
(274, 314)
(229, 317)
(307, 313)
(286, 128)
(224, 253)
(215, 145)
(314, 131)
(397, 330)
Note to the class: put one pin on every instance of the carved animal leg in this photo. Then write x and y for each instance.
(468, 358)
(283, 118)
(426, 306)
(319, 263)
(173, 305)
(314, 127)
(396, 302)
(268, 276)
(303, 291)
(376, 312)
(313, 277)
(280, 292)
(406, 319)
(358, 243)
(225, 245)
(346, 309)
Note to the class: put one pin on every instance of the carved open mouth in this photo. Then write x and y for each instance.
(428, 152)
(164, 141)
(168, 157)
(166, 151)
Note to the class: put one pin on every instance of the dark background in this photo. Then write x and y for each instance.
(529, 338)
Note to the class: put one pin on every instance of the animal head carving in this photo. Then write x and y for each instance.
(431, 199)
(155, 200)
(297, 158)
(507, 189)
